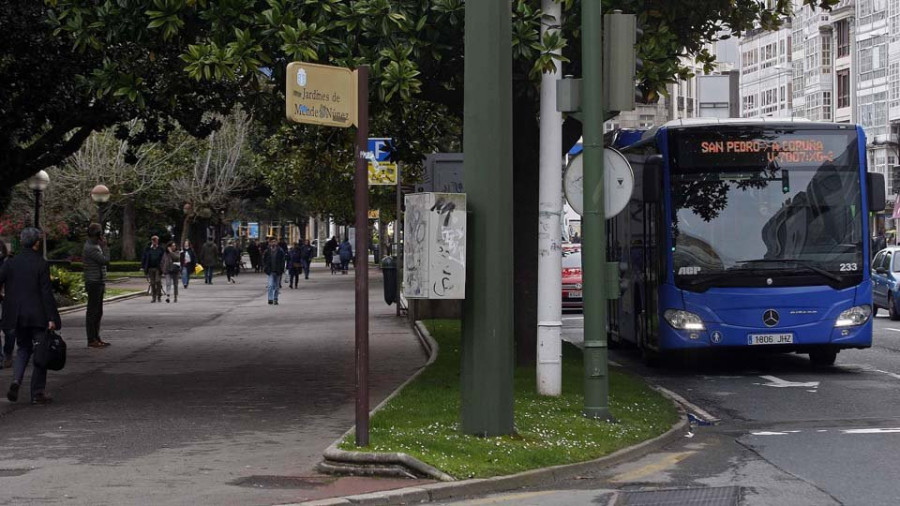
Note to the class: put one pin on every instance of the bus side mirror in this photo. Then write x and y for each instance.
(652, 180)
(877, 192)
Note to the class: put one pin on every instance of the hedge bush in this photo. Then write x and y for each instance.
(68, 287)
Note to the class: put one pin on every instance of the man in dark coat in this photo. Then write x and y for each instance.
(96, 259)
(273, 263)
(253, 252)
(29, 309)
(209, 259)
(232, 258)
(329, 249)
(306, 254)
(150, 264)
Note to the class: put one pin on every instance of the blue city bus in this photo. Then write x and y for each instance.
(746, 234)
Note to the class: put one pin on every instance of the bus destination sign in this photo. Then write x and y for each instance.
(709, 149)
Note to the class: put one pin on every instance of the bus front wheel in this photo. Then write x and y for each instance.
(823, 357)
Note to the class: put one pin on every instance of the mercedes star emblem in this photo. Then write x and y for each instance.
(770, 318)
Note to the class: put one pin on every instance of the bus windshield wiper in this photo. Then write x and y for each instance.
(800, 263)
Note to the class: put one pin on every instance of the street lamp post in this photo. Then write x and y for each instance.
(38, 183)
(100, 195)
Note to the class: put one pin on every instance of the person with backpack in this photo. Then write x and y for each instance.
(171, 268)
(30, 309)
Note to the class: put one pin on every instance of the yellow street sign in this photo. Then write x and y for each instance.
(321, 95)
(374, 214)
(382, 173)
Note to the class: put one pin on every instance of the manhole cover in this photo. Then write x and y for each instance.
(289, 482)
(714, 496)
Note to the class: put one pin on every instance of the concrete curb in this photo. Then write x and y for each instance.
(339, 461)
(452, 489)
(117, 298)
(537, 477)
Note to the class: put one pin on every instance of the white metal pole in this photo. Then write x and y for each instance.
(549, 344)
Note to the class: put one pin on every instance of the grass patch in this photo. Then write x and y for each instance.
(423, 420)
(115, 292)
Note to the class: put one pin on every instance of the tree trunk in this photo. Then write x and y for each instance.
(129, 229)
(186, 231)
(526, 164)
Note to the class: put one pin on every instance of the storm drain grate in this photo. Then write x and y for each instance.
(286, 482)
(713, 496)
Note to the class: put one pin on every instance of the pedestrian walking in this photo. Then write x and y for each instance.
(253, 253)
(232, 258)
(329, 249)
(306, 254)
(150, 261)
(294, 266)
(209, 259)
(273, 262)
(345, 252)
(96, 260)
(171, 268)
(7, 337)
(30, 309)
(188, 262)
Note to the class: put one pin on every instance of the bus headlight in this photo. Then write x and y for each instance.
(683, 320)
(856, 315)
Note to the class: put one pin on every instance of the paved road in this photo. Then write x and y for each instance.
(788, 435)
(219, 399)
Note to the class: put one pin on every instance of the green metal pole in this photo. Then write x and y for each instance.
(487, 347)
(596, 380)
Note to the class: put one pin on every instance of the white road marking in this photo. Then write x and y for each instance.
(889, 328)
(872, 369)
(780, 383)
(768, 433)
(871, 431)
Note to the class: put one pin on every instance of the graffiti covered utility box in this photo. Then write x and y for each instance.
(434, 248)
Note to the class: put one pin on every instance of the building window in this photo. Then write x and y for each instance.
(826, 54)
(843, 88)
(843, 38)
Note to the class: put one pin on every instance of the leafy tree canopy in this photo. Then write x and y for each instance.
(68, 67)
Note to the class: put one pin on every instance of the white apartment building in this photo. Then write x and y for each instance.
(841, 66)
(766, 73)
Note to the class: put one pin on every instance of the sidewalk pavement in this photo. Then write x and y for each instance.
(218, 399)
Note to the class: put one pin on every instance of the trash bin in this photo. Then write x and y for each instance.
(389, 271)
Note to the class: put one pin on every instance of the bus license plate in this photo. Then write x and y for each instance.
(574, 294)
(771, 339)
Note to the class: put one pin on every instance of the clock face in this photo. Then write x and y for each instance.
(618, 183)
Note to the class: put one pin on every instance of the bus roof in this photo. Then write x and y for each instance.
(650, 134)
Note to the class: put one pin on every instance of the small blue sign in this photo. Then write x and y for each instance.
(254, 230)
(380, 146)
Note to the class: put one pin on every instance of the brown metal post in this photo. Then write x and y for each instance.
(361, 209)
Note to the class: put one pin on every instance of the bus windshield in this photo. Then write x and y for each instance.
(751, 205)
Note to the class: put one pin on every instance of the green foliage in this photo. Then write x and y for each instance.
(422, 420)
(68, 287)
